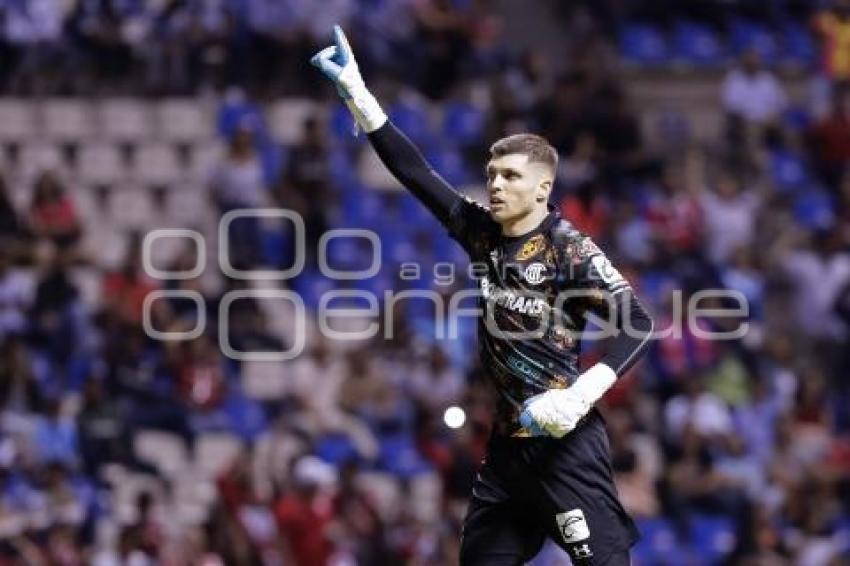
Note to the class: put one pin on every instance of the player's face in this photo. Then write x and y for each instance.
(516, 187)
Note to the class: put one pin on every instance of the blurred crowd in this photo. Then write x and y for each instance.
(87, 47)
(735, 450)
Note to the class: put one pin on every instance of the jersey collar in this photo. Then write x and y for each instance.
(545, 225)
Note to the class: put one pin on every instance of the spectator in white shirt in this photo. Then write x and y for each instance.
(699, 410)
(729, 213)
(752, 92)
(16, 295)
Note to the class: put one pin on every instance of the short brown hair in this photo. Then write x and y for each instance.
(535, 147)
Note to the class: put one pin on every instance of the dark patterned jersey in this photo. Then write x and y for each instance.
(535, 294)
(541, 285)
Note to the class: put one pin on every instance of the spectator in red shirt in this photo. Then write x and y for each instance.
(200, 374)
(830, 139)
(52, 213)
(304, 515)
(124, 291)
(675, 214)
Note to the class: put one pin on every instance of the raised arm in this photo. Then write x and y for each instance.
(408, 165)
(396, 151)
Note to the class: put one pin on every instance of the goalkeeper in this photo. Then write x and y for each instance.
(547, 471)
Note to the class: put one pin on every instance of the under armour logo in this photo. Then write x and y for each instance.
(582, 551)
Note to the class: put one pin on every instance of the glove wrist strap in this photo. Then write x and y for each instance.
(592, 384)
(365, 108)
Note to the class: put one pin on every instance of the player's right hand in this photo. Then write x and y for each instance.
(337, 63)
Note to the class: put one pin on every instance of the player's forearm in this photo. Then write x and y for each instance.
(558, 411)
(632, 339)
(621, 351)
(407, 164)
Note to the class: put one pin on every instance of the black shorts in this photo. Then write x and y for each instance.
(531, 488)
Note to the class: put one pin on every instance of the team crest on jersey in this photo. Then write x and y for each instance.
(535, 273)
(531, 248)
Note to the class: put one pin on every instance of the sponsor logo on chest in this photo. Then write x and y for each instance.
(512, 300)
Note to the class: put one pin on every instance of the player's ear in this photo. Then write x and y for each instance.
(544, 189)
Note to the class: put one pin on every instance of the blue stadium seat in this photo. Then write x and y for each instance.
(655, 284)
(842, 531)
(399, 248)
(273, 158)
(336, 449)
(246, 416)
(414, 121)
(342, 171)
(413, 213)
(449, 163)
(788, 171)
(361, 208)
(697, 45)
(797, 118)
(447, 249)
(346, 253)
(239, 111)
(399, 456)
(463, 123)
(799, 46)
(643, 45)
(341, 127)
(658, 543)
(276, 248)
(814, 209)
(376, 285)
(712, 538)
(747, 35)
(311, 285)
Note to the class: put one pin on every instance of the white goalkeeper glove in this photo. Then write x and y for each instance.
(558, 411)
(338, 64)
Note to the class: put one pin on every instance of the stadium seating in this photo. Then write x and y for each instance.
(19, 120)
(165, 451)
(68, 121)
(286, 119)
(183, 121)
(463, 124)
(643, 45)
(748, 35)
(100, 164)
(712, 538)
(697, 45)
(215, 451)
(125, 120)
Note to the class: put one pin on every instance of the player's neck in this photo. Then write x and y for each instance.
(525, 224)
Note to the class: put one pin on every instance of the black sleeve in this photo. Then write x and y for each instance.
(467, 221)
(632, 339)
(610, 297)
(408, 165)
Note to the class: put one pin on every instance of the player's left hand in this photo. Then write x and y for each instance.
(337, 63)
(557, 412)
(553, 413)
